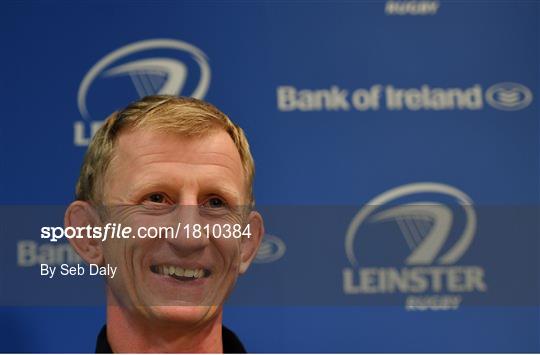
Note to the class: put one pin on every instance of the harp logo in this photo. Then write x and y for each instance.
(434, 221)
(149, 67)
(424, 215)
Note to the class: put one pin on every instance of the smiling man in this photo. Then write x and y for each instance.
(168, 162)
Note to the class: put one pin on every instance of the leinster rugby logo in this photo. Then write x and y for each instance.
(429, 227)
(149, 67)
(153, 74)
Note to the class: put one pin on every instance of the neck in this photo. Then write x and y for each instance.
(129, 333)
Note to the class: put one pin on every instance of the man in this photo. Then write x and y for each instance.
(162, 161)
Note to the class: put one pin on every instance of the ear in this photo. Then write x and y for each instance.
(250, 244)
(82, 214)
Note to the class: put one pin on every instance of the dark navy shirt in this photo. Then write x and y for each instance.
(231, 343)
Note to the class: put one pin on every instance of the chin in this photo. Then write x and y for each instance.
(183, 314)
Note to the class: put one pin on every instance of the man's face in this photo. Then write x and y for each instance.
(159, 179)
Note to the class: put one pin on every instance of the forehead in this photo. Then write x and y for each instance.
(213, 145)
(139, 151)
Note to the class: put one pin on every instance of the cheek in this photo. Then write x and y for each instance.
(135, 215)
(126, 254)
(113, 252)
(145, 225)
(229, 252)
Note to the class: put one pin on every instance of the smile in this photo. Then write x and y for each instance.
(179, 273)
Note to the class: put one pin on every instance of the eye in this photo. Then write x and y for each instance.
(215, 202)
(156, 198)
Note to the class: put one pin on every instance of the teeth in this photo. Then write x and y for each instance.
(171, 270)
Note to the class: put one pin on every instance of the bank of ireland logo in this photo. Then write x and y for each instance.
(509, 96)
(271, 249)
(425, 216)
(154, 67)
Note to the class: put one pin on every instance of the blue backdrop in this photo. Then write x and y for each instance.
(346, 105)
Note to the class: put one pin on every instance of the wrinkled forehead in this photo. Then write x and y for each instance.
(136, 144)
(138, 152)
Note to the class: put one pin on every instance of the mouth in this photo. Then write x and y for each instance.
(179, 273)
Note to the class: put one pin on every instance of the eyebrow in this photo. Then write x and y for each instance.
(135, 189)
(223, 189)
(213, 187)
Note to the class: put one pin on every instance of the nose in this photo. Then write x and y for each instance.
(191, 237)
